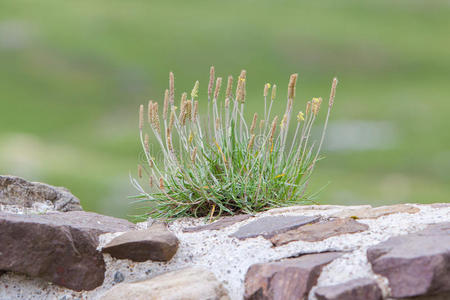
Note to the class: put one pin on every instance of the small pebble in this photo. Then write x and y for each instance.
(118, 277)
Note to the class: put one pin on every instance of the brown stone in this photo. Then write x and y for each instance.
(192, 283)
(416, 264)
(269, 226)
(357, 289)
(376, 212)
(58, 247)
(155, 243)
(219, 224)
(319, 231)
(292, 278)
(18, 191)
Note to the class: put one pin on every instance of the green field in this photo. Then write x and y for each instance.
(72, 74)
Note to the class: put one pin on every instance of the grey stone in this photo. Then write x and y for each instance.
(219, 224)
(416, 264)
(288, 279)
(357, 289)
(155, 243)
(319, 231)
(18, 191)
(192, 283)
(269, 226)
(57, 247)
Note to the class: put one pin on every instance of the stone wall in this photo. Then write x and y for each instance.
(51, 251)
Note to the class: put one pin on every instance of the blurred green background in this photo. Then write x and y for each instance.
(72, 74)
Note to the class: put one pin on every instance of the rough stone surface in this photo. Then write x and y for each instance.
(155, 243)
(357, 289)
(18, 191)
(230, 258)
(269, 226)
(58, 247)
(416, 264)
(219, 224)
(373, 213)
(188, 284)
(319, 231)
(288, 279)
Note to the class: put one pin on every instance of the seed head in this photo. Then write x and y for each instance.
(316, 105)
(308, 107)
(169, 143)
(229, 87)
(141, 117)
(300, 116)
(195, 111)
(146, 144)
(189, 109)
(272, 130)
(211, 81)
(291, 86)
(171, 88)
(274, 92)
(217, 90)
(150, 111)
(266, 89)
(183, 99)
(240, 89)
(155, 116)
(194, 92)
(333, 91)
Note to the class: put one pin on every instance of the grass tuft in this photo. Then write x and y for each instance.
(226, 166)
